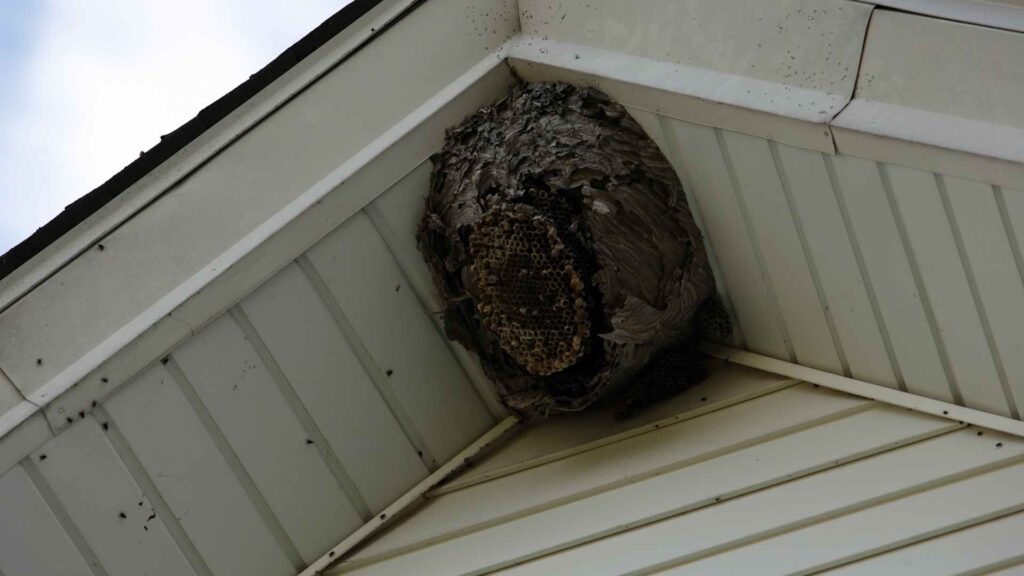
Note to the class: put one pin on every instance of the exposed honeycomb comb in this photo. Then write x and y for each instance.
(528, 289)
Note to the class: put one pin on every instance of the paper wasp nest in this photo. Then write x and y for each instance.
(561, 243)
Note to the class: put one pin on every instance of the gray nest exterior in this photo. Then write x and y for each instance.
(561, 242)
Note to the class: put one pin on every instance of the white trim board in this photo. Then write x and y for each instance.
(778, 70)
(1007, 14)
(940, 83)
(502, 431)
(866, 390)
(796, 58)
(695, 95)
(928, 157)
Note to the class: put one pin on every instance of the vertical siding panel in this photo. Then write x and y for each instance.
(365, 281)
(934, 249)
(1011, 208)
(401, 208)
(193, 477)
(396, 215)
(761, 190)
(95, 488)
(32, 541)
(992, 265)
(889, 272)
(334, 388)
(836, 263)
(699, 157)
(271, 443)
(671, 149)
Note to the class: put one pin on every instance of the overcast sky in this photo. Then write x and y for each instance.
(87, 85)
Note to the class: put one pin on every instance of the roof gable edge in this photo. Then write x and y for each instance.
(182, 151)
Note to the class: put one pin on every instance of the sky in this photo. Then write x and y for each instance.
(87, 85)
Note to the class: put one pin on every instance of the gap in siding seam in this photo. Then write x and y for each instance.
(63, 518)
(672, 143)
(313, 432)
(481, 385)
(614, 485)
(834, 514)
(856, 81)
(369, 365)
(272, 522)
(809, 257)
(150, 491)
(922, 290)
(979, 305)
(858, 256)
(927, 536)
(756, 246)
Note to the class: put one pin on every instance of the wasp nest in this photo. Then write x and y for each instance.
(567, 258)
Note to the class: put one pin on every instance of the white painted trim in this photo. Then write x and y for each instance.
(15, 416)
(928, 157)
(1006, 14)
(798, 103)
(971, 135)
(213, 140)
(23, 440)
(500, 432)
(866, 390)
(939, 95)
(779, 69)
(696, 95)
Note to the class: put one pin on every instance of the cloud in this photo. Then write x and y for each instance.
(98, 82)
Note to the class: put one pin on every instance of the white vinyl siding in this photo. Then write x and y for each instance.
(263, 440)
(795, 480)
(915, 292)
